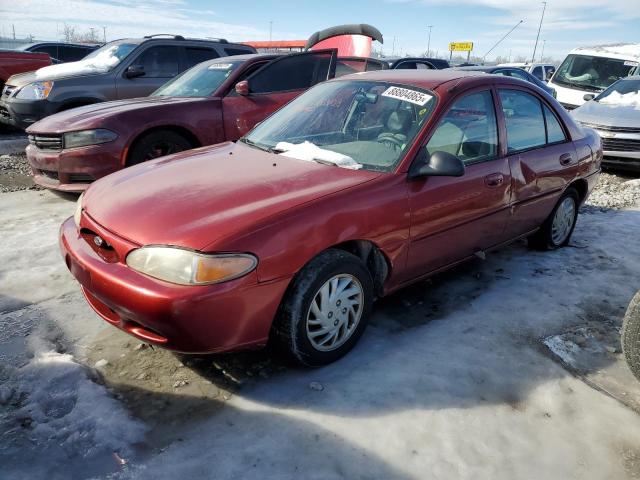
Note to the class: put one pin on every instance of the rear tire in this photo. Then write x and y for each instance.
(341, 289)
(557, 229)
(157, 144)
(631, 336)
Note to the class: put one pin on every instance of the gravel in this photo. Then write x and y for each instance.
(615, 191)
(15, 174)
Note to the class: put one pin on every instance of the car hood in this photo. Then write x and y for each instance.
(92, 116)
(608, 115)
(57, 72)
(201, 197)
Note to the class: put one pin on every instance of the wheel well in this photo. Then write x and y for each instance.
(373, 258)
(191, 138)
(77, 103)
(582, 187)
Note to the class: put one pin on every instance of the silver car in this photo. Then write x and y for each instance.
(615, 115)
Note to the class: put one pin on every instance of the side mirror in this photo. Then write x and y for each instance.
(439, 164)
(588, 96)
(242, 88)
(134, 71)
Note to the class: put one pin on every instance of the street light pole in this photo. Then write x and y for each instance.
(429, 41)
(544, 42)
(544, 7)
(270, 29)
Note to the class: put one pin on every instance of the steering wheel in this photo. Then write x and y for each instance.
(389, 140)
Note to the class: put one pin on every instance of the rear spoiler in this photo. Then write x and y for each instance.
(352, 29)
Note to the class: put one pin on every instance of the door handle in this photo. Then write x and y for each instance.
(494, 180)
(566, 159)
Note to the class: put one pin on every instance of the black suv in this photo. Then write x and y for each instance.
(61, 52)
(125, 68)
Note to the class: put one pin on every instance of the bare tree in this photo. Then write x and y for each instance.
(72, 34)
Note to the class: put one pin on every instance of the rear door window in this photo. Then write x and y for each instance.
(468, 130)
(195, 55)
(159, 61)
(293, 72)
(524, 120)
(555, 133)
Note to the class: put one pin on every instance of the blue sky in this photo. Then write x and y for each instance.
(568, 23)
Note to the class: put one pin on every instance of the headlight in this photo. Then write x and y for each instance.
(88, 137)
(35, 91)
(185, 267)
(78, 212)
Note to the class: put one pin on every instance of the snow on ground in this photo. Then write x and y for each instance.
(451, 380)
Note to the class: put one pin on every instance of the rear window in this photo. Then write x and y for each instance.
(196, 55)
(237, 51)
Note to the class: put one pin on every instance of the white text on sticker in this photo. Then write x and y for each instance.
(407, 95)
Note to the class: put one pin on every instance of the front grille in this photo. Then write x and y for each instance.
(49, 174)
(80, 178)
(8, 90)
(607, 128)
(101, 247)
(620, 145)
(46, 142)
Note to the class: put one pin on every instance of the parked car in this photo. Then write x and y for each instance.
(120, 69)
(615, 115)
(416, 63)
(512, 72)
(631, 335)
(61, 52)
(213, 102)
(542, 71)
(355, 189)
(593, 69)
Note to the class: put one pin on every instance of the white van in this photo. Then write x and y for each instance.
(589, 70)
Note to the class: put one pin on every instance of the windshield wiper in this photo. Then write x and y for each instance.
(259, 146)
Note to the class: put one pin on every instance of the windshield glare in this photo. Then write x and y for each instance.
(592, 73)
(370, 123)
(199, 81)
(108, 56)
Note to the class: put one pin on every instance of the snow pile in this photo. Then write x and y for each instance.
(617, 99)
(51, 409)
(101, 63)
(310, 152)
(613, 191)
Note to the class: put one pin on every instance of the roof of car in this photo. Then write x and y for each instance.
(428, 79)
(482, 68)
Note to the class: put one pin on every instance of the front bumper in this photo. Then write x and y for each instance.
(191, 319)
(23, 113)
(74, 169)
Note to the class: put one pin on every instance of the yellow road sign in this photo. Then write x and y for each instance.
(461, 46)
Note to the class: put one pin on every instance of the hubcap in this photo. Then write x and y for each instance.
(334, 312)
(160, 149)
(563, 221)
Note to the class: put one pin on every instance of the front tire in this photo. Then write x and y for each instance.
(557, 229)
(325, 310)
(631, 336)
(157, 144)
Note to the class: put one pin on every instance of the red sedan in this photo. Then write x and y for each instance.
(357, 188)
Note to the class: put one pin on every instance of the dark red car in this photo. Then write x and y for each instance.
(213, 102)
(358, 187)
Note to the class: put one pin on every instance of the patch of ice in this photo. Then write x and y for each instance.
(564, 349)
(310, 152)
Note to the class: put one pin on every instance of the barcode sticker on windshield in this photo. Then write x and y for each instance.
(220, 66)
(630, 63)
(407, 95)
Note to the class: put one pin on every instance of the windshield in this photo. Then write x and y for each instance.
(199, 81)
(356, 124)
(623, 92)
(592, 73)
(108, 56)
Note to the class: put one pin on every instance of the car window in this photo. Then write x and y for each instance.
(237, 51)
(524, 120)
(554, 129)
(592, 73)
(521, 74)
(294, 72)
(412, 65)
(537, 72)
(51, 50)
(73, 54)
(159, 62)
(468, 130)
(197, 55)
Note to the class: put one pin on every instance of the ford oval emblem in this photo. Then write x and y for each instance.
(98, 241)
